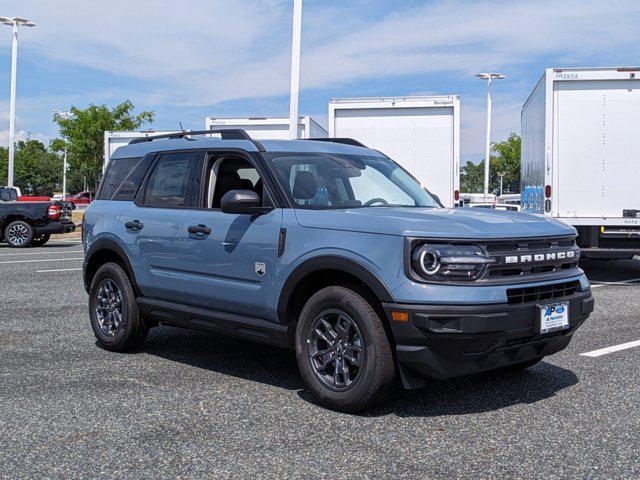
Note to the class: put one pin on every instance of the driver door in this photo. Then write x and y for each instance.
(231, 259)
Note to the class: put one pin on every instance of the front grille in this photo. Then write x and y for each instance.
(517, 296)
(531, 247)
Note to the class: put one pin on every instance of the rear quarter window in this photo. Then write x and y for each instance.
(123, 177)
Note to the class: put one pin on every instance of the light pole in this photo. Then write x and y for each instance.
(64, 115)
(501, 175)
(295, 69)
(13, 22)
(489, 77)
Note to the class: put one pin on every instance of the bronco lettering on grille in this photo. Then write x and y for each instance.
(540, 257)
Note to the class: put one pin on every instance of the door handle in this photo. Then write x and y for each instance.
(135, 225)
(199, 230)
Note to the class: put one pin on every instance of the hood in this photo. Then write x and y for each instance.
(467, 223)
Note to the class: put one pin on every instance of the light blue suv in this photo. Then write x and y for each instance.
(328, 247)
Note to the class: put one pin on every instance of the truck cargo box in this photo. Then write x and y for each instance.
(581, 155)
(420, 133)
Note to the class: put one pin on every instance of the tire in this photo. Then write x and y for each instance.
(115, 318)
(370, 382)
(516, 367)
(40, 240)
(18, 234)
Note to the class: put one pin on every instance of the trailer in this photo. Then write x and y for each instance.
(421, 133)
(581, 156)
(269, 128)
(113, 140)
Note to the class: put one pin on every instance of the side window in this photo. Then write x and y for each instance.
(116, 173)
(231, 173)
(168, 183)
(129, 186)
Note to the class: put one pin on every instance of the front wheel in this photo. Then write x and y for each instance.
(19, 234)
(114, 314)
(343, 352)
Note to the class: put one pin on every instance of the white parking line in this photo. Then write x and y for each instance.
(39, 253)
(621, 282)
(59, 270)
(45, 260)
(615, 348)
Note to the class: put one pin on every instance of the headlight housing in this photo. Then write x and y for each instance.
(449, 262)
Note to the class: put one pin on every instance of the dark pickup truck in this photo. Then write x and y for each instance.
(24, 224)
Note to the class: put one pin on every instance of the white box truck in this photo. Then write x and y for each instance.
(421, 133)
(581, 156)
(269, 128)
(113, 140)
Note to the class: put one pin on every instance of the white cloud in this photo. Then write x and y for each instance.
(22, 135)
(194, 53)
(199, 52)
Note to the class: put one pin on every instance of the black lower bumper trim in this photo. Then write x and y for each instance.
(444, 341)
(55, 227)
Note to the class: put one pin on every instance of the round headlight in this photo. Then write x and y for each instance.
(427, 260)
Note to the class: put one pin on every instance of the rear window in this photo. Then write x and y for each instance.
(8, 194)
(123, 177)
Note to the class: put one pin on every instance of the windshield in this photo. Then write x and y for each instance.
(323, 181)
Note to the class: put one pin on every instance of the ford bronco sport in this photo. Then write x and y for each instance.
(328, 247)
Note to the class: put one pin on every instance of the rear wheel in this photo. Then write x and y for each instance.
(39, 240)
(113, 310)
(343, 351)
(19, 234)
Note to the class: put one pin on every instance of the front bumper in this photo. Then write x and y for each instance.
(55, 227)
(444, 341)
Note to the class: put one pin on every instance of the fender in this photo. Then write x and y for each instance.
(330, 262)
(108, 244)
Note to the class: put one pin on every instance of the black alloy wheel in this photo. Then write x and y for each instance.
(336, 349)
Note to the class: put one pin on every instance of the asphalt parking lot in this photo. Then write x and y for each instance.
(195, 405)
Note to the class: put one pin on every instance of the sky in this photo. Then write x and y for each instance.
(195, 58)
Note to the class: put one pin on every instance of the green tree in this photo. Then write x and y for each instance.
(4, 162)
(83, 132)
(37, 169)
(472, 177)
(505, 160)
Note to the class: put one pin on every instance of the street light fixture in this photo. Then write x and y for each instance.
(14, 23)
(489, 77)
(65, 165)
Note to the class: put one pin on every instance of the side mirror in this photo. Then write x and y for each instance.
(241, 202)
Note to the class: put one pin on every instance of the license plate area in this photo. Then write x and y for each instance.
(553, 317)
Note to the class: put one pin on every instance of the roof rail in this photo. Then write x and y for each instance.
(225, 133)
(346, 141)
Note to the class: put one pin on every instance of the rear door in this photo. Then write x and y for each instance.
(154, 224)
(597, 147)
(230, 260)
